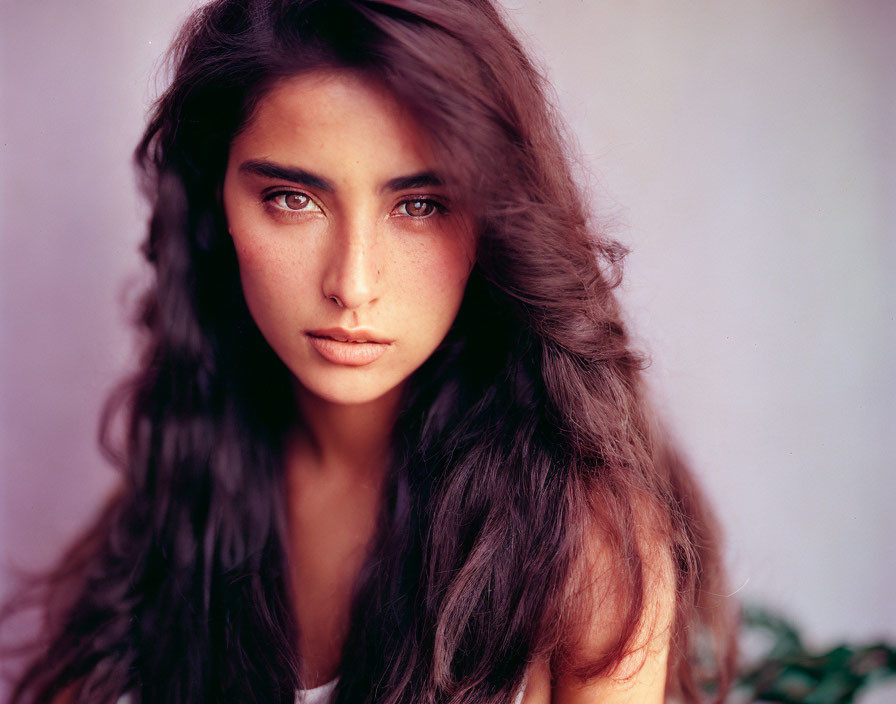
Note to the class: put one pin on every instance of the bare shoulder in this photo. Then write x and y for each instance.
(640, 675)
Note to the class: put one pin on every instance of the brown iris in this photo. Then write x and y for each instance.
(419, 208)
(296, 201)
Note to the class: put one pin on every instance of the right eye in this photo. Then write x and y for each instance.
(292, 201)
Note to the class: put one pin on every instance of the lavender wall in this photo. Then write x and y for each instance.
(745, 152)
(748, 152)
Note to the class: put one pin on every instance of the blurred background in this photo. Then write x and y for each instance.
(745, 152)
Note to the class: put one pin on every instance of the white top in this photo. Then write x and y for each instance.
(324, 693)
(317, 695)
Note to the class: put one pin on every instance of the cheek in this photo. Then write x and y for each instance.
(435, 283)
(272, 276)
(451, 264)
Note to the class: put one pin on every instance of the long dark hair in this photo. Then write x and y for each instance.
(527, 431)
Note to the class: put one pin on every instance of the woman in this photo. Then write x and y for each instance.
(389, 440)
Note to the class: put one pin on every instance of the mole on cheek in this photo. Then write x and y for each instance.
(257, 247)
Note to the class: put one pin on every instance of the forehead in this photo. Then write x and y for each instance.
(339, 119)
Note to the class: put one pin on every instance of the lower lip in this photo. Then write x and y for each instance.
(350, 354)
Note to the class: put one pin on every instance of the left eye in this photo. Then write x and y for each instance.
(292, 201)
(420, 207)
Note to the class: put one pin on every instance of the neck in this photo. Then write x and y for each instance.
(346, 438)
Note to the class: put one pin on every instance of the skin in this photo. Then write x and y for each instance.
(352, 257)
(360, 253)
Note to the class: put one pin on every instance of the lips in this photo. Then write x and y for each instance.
(357, 335)
(352, 348)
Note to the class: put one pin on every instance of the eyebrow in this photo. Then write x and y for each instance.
(268, 169)
(424, 179)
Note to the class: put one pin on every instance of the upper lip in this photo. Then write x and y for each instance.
(355, 334)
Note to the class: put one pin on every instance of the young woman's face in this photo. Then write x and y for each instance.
(343, 232)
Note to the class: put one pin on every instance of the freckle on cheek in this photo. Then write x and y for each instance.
(255, 254)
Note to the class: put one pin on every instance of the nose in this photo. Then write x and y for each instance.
(351, 276)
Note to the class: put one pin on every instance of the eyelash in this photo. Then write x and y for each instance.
(439, 207)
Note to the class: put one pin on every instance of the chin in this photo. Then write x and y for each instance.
(346, 392)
